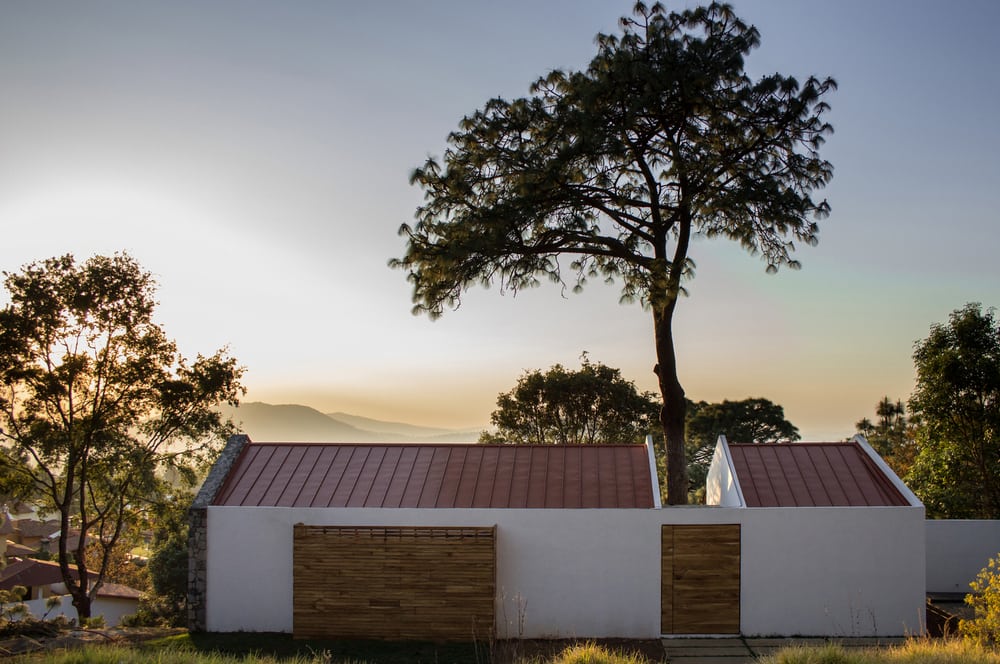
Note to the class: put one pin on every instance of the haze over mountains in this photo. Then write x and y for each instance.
(293, 423)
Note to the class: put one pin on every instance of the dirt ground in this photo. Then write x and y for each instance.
(20, 645)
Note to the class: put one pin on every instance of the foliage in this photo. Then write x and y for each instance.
(662, 138)
(165, 603)
(259, 649)
(113, 654)
(956, 472)
(564, 407)
(592, 653)
(95, 400)
(893, 435)
(596, 404)
(121, 566)
(168, 571)
(752, 420)
(11, 603)
(984, 628)
(913, 651)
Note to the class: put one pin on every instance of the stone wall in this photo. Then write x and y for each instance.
(198, 532)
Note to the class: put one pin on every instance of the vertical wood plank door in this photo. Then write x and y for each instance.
(394, 583)
(700, 579)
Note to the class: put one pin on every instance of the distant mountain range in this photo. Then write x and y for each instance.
(292, 423)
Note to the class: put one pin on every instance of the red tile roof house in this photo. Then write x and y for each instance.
(465, 542)
(43, 579)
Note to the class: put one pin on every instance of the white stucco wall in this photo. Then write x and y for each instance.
(594, 573)
(957, 550)
(112, 608)
(845, 571)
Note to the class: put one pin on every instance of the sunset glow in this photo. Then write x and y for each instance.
(255, 157)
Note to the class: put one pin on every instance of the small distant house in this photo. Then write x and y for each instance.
(43, 579)
(33, 533)
(465, 541)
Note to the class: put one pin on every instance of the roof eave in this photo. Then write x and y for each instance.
(889, 473)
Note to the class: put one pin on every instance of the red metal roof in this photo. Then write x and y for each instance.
(812, 475)
(439, 475)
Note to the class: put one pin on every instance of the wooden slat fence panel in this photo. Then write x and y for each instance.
(394, 582)
(700, 579)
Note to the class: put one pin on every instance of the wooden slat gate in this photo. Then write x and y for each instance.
(394, 582)
(700, 579)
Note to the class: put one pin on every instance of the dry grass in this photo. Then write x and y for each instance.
(914, 651)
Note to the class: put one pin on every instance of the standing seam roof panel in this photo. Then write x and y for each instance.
(429, 494)
(402, 474)
(537, 478)
(555, 490)
(383, 477)
(255, 470)
(309, 459)
(440, 476)
(815, 492)
(465, 493)
(813, 475)
(418, 477)
(293, 479)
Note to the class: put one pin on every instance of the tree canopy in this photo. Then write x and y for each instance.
(662, 138)
(564, 407)
(957, 398)
(891, 434)
(96, 401)
(752, 420)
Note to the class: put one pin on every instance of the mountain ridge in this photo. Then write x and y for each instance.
(295, 423)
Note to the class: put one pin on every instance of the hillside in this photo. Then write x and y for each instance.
(293, 423)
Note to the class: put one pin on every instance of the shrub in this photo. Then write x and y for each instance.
(984, 628)
(11, 605)
(591, 653)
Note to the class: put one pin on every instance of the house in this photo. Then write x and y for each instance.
(457, 541)
(32, 533)
(43, 580)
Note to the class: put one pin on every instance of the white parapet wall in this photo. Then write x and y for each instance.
(833, 571)
(112, 609)
(596, 573)
(957, 550)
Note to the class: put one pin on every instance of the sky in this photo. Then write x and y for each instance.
(254, 156)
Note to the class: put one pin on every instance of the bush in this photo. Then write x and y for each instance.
(591, 653)
(984, 628)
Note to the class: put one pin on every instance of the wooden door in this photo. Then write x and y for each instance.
(700, 579)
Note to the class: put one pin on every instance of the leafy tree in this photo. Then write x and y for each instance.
(663, 138)
(564, 407)
(121, 566)
(957, 397)
(983, 629)
(892, 435)
(168, 566)
(753, 420)
(95, 400)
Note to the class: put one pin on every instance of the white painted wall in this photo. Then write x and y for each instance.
(844, 571)
(957, 550)
(112, 608)
(595, 573)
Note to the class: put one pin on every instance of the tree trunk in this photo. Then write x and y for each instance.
(674, 408)
(77, 588)
(81, 602)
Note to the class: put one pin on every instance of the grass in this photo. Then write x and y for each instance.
(914, 651)
(279, 649)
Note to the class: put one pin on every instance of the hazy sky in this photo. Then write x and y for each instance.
(255, 156)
